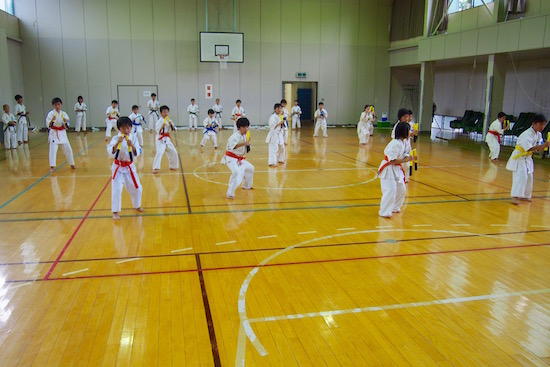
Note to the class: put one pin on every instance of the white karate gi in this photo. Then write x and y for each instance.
(296, 112)
(320, 122)
(370, 119)
(124, 173)
(153, 107)
(492, 140)
(236, 114)
(523, 165)
(209, 132)
(408, 149)
(363, 129)
(392, 179)
(80, 109)
(193, 111)
(10, 132)
(22, 123)
(241, 170)
(286, 116)
(137, 126)
(164, 143)
(218, 109)
(59, 137)
(112, 115)
(275, 139)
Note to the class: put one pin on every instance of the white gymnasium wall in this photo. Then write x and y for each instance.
(527, 91)
(81, 47)
(11, 69)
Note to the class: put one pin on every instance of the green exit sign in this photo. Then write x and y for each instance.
(301, 75)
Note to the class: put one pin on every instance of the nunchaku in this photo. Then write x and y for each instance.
(415, 128)
(414, 156)
(129, 148)
(248, 139)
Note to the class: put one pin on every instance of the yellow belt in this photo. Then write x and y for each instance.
(522, 153)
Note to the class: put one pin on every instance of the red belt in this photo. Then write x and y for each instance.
(57, 129)
(233, 155)
(495, 134)
(125, 164)
(165, 135)
(388, 163)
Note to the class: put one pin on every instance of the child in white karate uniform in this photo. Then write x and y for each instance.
(80, 109)
(236, 114)
(193, 111)
(403, 116)
(296, 112)
(321, 120)
(137, 124)
(57, 121)
(112, 115)
(218, 109)
(275, 137)
(210, 129)
(153, 105)
(363, 126)
(241, 170)
(492, 138)
(10, 128)
(521, 161)
(391, 173)
(164, 141)
(22, 123)
(371, 116)
(124, 147)
(286, 116)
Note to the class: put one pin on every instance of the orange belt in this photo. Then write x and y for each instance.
(495, 134)
(165, 135)
(233, 155)
(57, 129)
(125, 164)
(388, 163)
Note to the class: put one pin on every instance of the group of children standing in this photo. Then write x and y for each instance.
(16, 124)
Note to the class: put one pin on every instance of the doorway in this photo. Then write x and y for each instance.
(306, 94)
(129, 95)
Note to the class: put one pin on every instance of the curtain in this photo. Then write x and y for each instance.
(407, 19)
(517, 6)
(438, 22)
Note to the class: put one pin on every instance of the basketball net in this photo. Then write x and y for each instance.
(223, 61)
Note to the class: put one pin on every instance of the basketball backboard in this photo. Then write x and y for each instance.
(213, 44)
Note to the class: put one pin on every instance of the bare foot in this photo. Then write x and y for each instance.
(116, 216)
(52, 169)
(73, 167)
(173, 169)
(230, 197)
(515, 201)
(140, 209)
(272, 165)
(155, 171)
(385, 216)
(526, 199)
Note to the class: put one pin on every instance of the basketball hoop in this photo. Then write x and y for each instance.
(222, 59)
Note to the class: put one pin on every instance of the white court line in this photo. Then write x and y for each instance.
(309, 232)
(536, 226)
(400, 306)
(20, 285)
(75, 272)
(270, 236)
(182, 249)
(500, 225)
(460, 225)
(345, 229)
(128, 260)
(225, 243)
(422, 225)
(384, 226)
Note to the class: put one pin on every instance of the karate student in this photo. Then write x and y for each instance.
(391, 173)
(241, 170)
(218, 109)
(521, 161)
(137, 124)
(112, 114)
(363, 126)
(164, 142)
(236, 114)
(286, 116)
(403, 116)
(493, 136)
(10, 128)
(371, 116)
(210, 126)
(124, 147)
(57, 121)
(22, 123)
(296, 112)
(80, 109)
(153, 105)
(275, 137)
(193, 111)
(321, 120)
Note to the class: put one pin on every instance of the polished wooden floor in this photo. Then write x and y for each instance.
(300, 271)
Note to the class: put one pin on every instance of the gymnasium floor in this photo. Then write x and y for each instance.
(300, 271)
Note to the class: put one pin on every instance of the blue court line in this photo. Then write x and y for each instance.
(46, 176)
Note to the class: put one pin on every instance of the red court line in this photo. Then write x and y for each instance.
(75, 232)
(426, 253)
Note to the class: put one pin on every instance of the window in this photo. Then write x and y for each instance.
(460, 5)
(7, 6)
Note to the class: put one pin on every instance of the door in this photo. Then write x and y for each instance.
(129, 95)
(305, 102)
